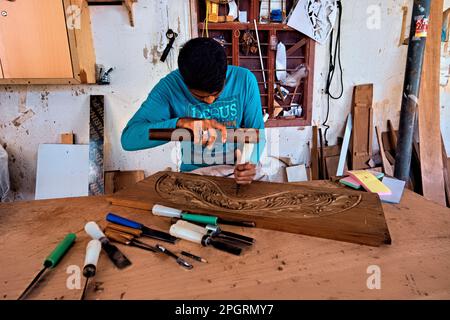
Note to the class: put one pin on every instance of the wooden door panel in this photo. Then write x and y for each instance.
(33, 40)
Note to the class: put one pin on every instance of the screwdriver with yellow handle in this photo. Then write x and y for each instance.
(51, 261)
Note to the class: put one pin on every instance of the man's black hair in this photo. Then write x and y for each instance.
(203, 64)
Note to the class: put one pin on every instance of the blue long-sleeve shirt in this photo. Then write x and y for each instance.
(238, 106)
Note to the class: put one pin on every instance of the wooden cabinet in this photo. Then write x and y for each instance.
(299, 50)
(46, 42)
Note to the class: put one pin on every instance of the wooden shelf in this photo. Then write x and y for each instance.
(299, 48)
(244, 26)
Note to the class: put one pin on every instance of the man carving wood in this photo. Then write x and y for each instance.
(205, 96)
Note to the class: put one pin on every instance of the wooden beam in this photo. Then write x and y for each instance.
(429, 111)
(386, 165)
(362, 126)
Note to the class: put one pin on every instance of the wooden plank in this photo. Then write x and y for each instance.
(193, 8)
(34, 41)
(81, 43)
(332, 166)
(390, 157)
(314, 155)
(445, 163)
(119, 180)
(386, 165)
(362, 126)
(392, 136)
(345, 215)
(296, 47)
(429, 111)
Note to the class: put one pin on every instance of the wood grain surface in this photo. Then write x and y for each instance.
(279, 265)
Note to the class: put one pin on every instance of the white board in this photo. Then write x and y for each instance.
(62, 171)
(314, 18)
(297, 173)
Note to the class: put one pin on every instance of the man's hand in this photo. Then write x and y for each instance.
(244, 173)
(199, 126)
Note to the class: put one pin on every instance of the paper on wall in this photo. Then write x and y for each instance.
(314, 18)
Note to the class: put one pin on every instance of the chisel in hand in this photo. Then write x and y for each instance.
(159, 210)
(52, 260)
(114, 254)
(90, 262)
(146, 231)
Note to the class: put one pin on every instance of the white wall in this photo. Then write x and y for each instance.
(368, 56)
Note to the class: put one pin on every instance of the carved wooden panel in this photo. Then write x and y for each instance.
(332, 213)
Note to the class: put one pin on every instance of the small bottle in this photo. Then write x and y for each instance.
(273, 42)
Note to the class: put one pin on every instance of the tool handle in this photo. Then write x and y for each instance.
(123, 229)
(93, 230)
(111, 217)
(242, 135)
(55, 256)
(224, 246)
(199, 218)
(91, 259)
(186, 234)
(117, 237)
(192, 227)
(159, 210)
(124, 235)
(246, 153)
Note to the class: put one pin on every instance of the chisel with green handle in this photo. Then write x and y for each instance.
(159, 210)
(51, 261)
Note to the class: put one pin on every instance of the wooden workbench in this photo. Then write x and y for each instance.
(279, 266)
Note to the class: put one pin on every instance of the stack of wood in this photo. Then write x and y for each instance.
(325, 159)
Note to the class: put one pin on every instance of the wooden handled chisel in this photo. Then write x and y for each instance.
(129, 240)
(114, 254)
(51, 261)
(146, 231)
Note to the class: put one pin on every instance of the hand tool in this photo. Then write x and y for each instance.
(242, 135)
(128, 239)
(159, 210)
(179, 260)
(114, 254)
(147, 232)
(216, 232)
(205, 240)
(51, 261)
(193, 256)
(90, 262)
(171, 35)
